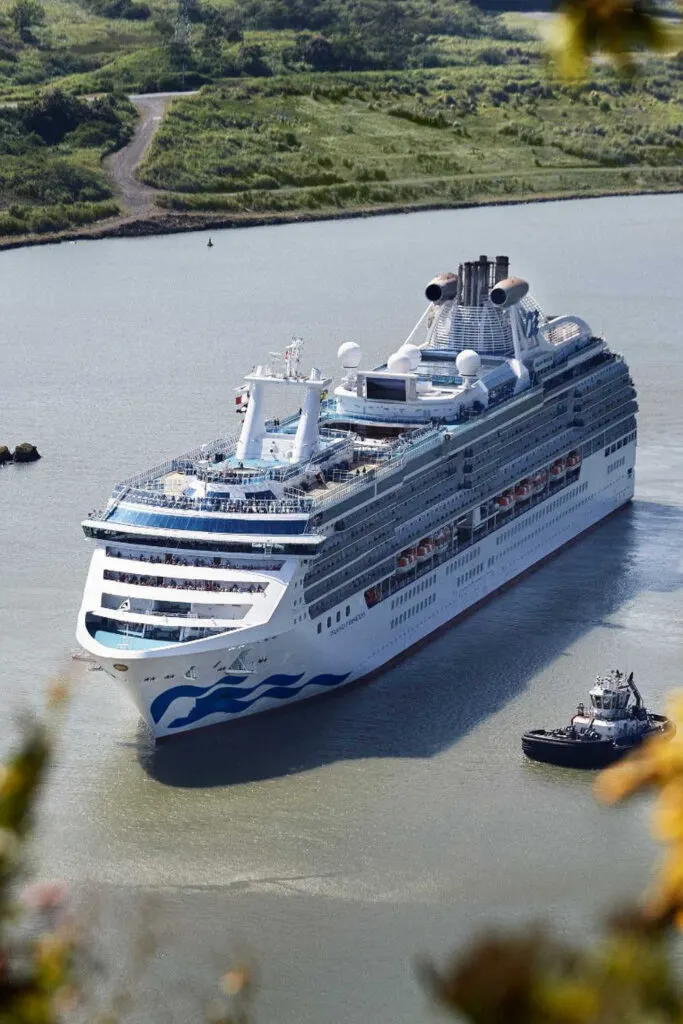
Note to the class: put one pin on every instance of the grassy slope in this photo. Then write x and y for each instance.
(466, 133)
(476, 128)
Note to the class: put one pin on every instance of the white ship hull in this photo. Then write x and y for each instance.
(186, 692)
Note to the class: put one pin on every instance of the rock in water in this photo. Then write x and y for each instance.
(5, 454)
(26, 452)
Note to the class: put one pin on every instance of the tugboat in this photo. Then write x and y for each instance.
(616, 722)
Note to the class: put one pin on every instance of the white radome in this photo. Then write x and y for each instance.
(413, 353)
(398, 363)
(350, 355)
(468, 363)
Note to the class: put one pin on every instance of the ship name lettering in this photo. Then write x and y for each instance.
(349, 622)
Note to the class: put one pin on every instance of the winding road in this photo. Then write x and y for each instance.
(122, 165)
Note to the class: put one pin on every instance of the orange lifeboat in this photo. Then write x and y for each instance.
(506, 501)
(539, 481)
(406, 561)
(558, 470)
(573, 460)
(424, 550)
(523, 490)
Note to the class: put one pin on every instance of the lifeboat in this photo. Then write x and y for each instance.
(558, 470)
(506, 501)
(573, 460)
(539, 481)
(406, 561)
(424, 550)
(523, 491)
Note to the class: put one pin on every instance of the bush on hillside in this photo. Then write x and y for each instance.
(54, 115)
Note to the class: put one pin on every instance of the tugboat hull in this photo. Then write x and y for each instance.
(560, 748)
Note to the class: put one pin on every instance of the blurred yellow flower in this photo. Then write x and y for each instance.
(235, 981)
(667, 818)
(618, 28)
(572, 1001)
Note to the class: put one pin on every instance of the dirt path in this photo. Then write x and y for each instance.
(122, 165)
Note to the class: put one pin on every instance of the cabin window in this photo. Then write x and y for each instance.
(597, 701)
(329, 621)
(320, 626)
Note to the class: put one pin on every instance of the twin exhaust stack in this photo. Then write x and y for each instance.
(477, 281)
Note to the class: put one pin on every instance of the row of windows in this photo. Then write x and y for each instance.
(617, 464)
(463, 560)
(424, 584)
(347, 612)
(158, 520)
(474, 571)
(619, 444)
(408, 614)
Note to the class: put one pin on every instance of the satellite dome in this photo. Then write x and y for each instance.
(468, 363)
(412, 352)
(350, 355)
(399, 363)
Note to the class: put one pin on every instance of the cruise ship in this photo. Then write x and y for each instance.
(306, 552)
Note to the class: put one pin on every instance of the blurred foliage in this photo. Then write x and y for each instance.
(532, 977)
(617, 28)
(658, 765)
(35, 967)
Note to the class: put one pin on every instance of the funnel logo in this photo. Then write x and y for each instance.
(530, 321)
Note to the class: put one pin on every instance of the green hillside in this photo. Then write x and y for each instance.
(85, 45)
(459, 134)
(312, 107)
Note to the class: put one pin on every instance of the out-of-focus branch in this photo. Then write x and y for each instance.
(618, 29)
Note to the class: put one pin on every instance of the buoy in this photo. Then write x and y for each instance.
(26, 452)
(209, 244)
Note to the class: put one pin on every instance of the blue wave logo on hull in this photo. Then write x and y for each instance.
(218, 698)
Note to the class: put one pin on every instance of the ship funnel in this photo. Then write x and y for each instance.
(502, 269)
(508, 292)
(442, 287)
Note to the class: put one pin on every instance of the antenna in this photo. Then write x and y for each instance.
(292, 357)
(180, 42)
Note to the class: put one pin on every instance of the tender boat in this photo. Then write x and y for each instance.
(616, 722)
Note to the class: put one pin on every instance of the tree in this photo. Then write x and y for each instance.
(251, 58)
(219, 26)
(26, 15)
(388, 29)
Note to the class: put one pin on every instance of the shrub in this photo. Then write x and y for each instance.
(25, 15)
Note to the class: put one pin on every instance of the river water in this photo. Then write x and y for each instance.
(336, 840)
